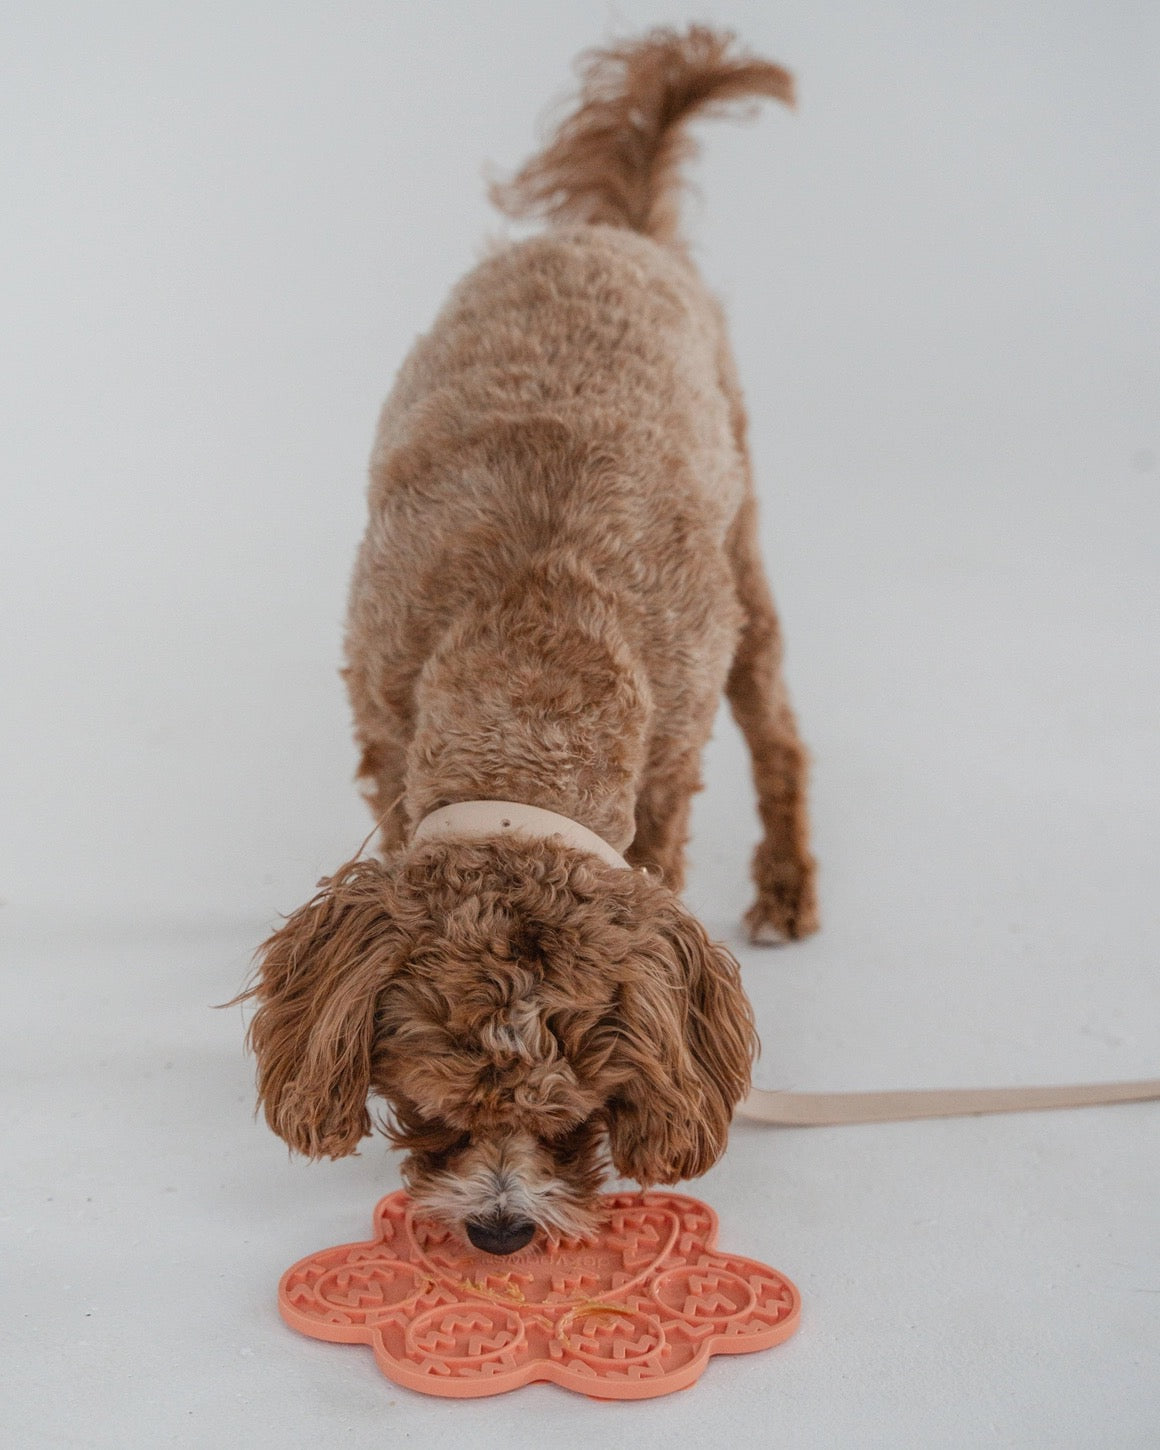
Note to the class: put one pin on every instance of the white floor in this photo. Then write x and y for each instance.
(942, 280)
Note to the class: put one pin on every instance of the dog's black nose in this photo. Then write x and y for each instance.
(500, 1235)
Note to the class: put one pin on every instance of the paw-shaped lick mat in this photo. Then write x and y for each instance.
(634, 1314)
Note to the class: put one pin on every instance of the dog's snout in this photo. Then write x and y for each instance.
(502, 1235)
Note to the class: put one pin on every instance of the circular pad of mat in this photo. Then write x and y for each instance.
(632, 1314)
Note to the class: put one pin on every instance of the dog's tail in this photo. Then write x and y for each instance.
(616, 157)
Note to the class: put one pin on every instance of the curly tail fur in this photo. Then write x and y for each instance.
(617, 156)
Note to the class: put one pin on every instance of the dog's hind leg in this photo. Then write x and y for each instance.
(783, 869)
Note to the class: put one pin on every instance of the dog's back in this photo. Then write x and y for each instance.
(572, 382)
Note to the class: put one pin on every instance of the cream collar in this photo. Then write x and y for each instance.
(476, 820)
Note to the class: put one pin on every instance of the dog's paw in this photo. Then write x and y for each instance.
(786, 917)
(765, 933)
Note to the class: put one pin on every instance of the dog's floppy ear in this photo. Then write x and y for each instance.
(685, 1050)
(320, 976)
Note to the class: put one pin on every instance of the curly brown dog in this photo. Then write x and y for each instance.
(560, 576)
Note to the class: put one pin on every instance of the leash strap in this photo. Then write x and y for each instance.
(816, 1110)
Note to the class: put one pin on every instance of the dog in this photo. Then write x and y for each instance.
(559, 577)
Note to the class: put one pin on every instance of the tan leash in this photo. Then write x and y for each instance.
(816, 1110)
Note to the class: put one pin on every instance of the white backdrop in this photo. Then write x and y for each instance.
(222, 226)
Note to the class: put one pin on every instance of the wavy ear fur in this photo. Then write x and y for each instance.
(320, 976)
(686, 1044)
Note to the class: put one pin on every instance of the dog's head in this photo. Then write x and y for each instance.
(529, 1014)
